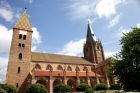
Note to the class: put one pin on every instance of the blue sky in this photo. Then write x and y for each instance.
(60, 26)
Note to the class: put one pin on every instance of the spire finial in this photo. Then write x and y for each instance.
(89, 21)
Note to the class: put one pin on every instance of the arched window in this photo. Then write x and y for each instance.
(69, 68)
(49, 67)
(98, 47)
(18, 69)
(20, 36)
(19, 44)
(59, 67)
(24, 37)
(23, 45)
(20, 56)
(37, 67)
(77, 69)
(85, 68)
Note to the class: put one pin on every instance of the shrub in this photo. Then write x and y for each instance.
(115, 86)
(101, 86)
(36, 88)
(62, 88)
(82, 87)
(8, 88)
(2, 90)
(89, 90)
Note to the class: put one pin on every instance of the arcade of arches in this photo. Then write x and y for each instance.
(70, 75)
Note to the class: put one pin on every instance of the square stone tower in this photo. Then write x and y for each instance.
(18, 72)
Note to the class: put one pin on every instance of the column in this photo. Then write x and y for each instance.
(51, 85)
(87, 76)
(77, 78)
(50, 82)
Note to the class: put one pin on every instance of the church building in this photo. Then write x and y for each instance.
(26, 67)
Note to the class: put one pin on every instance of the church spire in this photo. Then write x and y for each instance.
(90, 33)
(23, 23)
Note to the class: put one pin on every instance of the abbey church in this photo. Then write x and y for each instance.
(26, 67)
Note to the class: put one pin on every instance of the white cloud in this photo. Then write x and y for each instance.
(122, 31)
(3, 68)
(36, 39)
(89, 8)
(29, 1)
(110, 53)
(107, 8)
(6, 11)
(82, 8)
(5, 38)
(73, 47)
(138, 25)
(114, 21)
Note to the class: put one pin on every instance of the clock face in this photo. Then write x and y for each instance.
(22, 32)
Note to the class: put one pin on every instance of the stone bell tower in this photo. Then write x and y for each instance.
(93, 50)
(18, 71)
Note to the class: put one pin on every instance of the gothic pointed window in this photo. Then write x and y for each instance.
(20, 56)
(24, 37)
(49, 67)
(59, 67)
(98, 47)
(77, 69)
(20, 36)
(37, 67)
(69, 68)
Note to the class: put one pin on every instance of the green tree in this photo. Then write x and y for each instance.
(36, 88)
(82, 87)
(127, 68)
(8, 88)
(109, 65)
(115, 87)
(62, 88)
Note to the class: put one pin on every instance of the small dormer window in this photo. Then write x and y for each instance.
(24, 37)
(20, 36)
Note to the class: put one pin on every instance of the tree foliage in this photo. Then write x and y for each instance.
(62, 88)
(115, 87)
(82, 87)
(109, 65)
(8, 88)
(127, 68)
(36, 88)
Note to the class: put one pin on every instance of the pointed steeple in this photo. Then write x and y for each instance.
(23, 23)
(90, 33)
